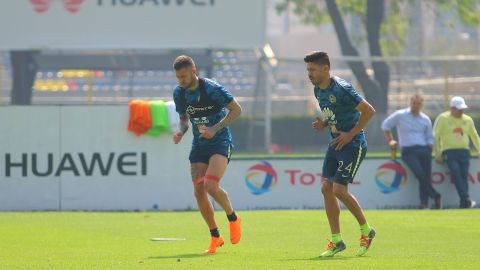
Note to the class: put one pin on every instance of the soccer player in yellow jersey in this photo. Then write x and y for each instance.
(452, 131)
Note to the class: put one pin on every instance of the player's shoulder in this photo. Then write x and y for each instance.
(177, 94)
(177, 90)
(211, 84)
(215, 89)
(341, 83)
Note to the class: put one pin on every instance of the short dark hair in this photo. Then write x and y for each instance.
(317, 57)
(183, 61)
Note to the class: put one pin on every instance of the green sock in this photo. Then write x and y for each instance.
(365, 229)
(336, 237)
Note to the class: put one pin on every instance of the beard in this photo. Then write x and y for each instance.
(187, 85)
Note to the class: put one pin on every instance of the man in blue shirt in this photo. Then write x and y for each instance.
(415, 135)
(346, 114)
(202, 102)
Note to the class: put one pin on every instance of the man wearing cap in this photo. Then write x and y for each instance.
(452, 129)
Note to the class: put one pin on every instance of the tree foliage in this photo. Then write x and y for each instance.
(385, 25)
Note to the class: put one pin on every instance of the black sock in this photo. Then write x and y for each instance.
(215, 232)
(232, 216)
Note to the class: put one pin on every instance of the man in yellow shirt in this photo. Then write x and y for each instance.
(452, 130)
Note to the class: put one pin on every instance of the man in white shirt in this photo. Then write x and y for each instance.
(415, 137)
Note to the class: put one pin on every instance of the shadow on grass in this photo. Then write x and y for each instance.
(337, 258)
(184, 256)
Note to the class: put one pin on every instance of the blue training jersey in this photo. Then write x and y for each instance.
(338, 102)
(205, 106)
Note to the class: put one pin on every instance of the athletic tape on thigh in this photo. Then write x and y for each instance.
(212, 177)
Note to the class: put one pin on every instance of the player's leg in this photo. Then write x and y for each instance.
(366, 232)
(349, 200)
(332, 207)
(215, 171)
(199, 165)
(350, 158)
(198, 171)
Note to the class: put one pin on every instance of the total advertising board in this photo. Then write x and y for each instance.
(83, 158)
(296, 183)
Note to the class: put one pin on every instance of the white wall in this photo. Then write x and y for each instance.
(154, 171)
(76, 131)
(132, 24)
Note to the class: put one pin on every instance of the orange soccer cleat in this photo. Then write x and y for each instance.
(215, 242)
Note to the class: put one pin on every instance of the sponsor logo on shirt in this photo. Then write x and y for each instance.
(192, 110)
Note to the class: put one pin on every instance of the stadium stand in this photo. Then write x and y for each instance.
(237, 70)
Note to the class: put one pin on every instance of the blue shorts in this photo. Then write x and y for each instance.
(203, 154)
(342, 165)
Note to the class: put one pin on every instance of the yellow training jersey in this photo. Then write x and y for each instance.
(453, 133)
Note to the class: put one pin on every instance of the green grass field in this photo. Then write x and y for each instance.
(406, 239)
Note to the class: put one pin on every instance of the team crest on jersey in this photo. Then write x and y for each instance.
(332, 99)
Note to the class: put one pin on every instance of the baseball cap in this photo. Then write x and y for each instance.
(458, 102)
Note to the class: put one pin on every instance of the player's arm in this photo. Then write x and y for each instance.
(367, 111)
(177, 136)
(234, 111)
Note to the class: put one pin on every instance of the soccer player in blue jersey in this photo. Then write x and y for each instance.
(346, 114)
(202, 102)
